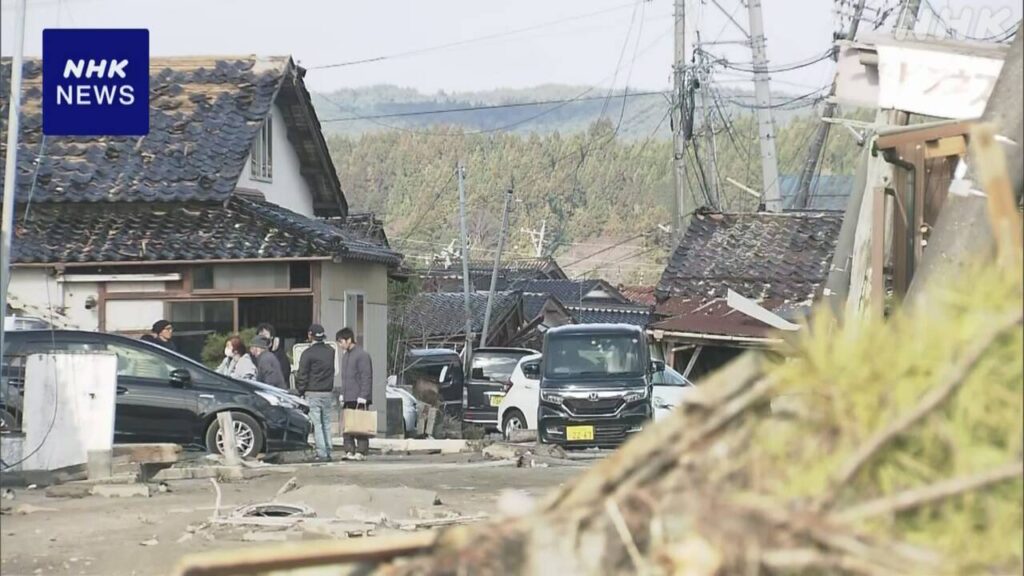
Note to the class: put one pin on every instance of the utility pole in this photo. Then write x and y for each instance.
(766, 126)
(680, 122)
(711, 148)
(468, 351)
(11, 174)
(537, 237)
(497, 264)
(909, 11)
(803, 190)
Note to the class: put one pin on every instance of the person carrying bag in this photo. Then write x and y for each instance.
(359, 422)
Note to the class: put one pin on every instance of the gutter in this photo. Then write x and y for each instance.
(661, 334)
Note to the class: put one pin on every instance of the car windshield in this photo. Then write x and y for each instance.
(593, 355)
(495, 366)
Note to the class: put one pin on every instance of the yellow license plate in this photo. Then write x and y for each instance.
(577, 433)
(496, 400)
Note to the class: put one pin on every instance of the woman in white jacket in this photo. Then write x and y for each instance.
(237, 362)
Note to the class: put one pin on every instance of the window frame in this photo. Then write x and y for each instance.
(261, 154)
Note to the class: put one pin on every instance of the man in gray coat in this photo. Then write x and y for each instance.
(356, 387)
(268, 369)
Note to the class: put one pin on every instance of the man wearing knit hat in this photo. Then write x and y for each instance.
(315, 381)
(163, 332)
(268, 369)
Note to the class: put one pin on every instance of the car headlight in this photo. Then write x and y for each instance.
(635, 396)
(277, 399)
(552, 398)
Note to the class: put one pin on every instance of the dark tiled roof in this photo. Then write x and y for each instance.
(571, 292)
(130, 232)
(635, 316)
(778, 260)
(204, 114)
(510, 272)
(762, 256)
(442, 314)
(828, 191)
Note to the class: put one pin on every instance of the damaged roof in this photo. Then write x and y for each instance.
(780, 260)
(509, 272)
(204, 114)
(442, 314)
(241, 228)
(573, 292)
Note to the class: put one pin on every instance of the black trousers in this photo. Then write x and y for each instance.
(353, 444)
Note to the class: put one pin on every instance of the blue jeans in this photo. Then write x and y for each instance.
(322, 408)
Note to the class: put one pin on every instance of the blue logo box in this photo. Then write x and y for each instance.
(95, 82)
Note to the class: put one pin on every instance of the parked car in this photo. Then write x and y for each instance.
(163, 396)
(518, 410)
(434, 376)
(669, 388)
(595, 385)
(490, 371)
(410, 406)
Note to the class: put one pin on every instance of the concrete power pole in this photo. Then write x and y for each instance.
(497, 264)
(680, 122)
(11, 167)
(468, 351)
(766, 126)
(909, 11)
(803, 190)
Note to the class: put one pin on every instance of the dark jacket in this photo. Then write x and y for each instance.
(278, 349)
(316, 369)
(169, 344)
(268, 370)
(356, 375)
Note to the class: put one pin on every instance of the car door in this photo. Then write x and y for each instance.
(668, 390)
(529, 398)
(490, 371)
(151, 405)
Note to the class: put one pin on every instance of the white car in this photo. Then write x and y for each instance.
(518, 409)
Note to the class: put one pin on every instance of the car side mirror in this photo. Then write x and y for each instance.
(657, 366)
(180, 378)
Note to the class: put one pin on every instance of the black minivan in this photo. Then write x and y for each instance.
(595, 386)
(165, 397)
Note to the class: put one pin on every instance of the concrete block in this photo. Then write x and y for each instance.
(147, 453)
(518, 436)
(99, 464)
(121, 490)
(69, 491)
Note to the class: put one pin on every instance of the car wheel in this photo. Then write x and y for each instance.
(248, 436)
(514, 420)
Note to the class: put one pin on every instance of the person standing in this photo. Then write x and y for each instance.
(277, 348)
(315, 381)
(237, 363)
(268, 369)
(356, 387)
(162, 335)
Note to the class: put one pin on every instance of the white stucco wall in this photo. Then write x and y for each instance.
(39, 290)
(288, 188)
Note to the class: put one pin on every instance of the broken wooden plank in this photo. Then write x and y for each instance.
(146, 453)
(990, 166)
(293, 556)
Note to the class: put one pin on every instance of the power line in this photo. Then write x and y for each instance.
(492, 106)
(447, 45)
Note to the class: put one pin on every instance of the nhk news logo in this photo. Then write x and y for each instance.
(95, 82)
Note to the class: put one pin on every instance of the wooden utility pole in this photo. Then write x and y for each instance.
(537, 237)
(680, 122)
(909, 11)
(468, 351)
(497, 264)
(803, 189)
(711, 147)
(11, 167)
(766, 125)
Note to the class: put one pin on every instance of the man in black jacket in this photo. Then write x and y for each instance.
(315, 381)
(162, 335)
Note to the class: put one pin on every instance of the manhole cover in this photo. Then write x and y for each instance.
(274, 510)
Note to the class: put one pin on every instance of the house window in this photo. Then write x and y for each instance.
(355, 313)
(300, 275)
(261, 157)
(202, 278)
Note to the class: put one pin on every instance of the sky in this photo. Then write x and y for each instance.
(526, 42)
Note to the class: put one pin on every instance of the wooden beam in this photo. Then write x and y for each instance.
(990, 165)
(943, 147)
(912, 135)
(148, 453)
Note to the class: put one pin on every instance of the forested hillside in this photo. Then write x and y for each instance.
(594, 187)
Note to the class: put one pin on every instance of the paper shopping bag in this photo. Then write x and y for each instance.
(359, 422)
